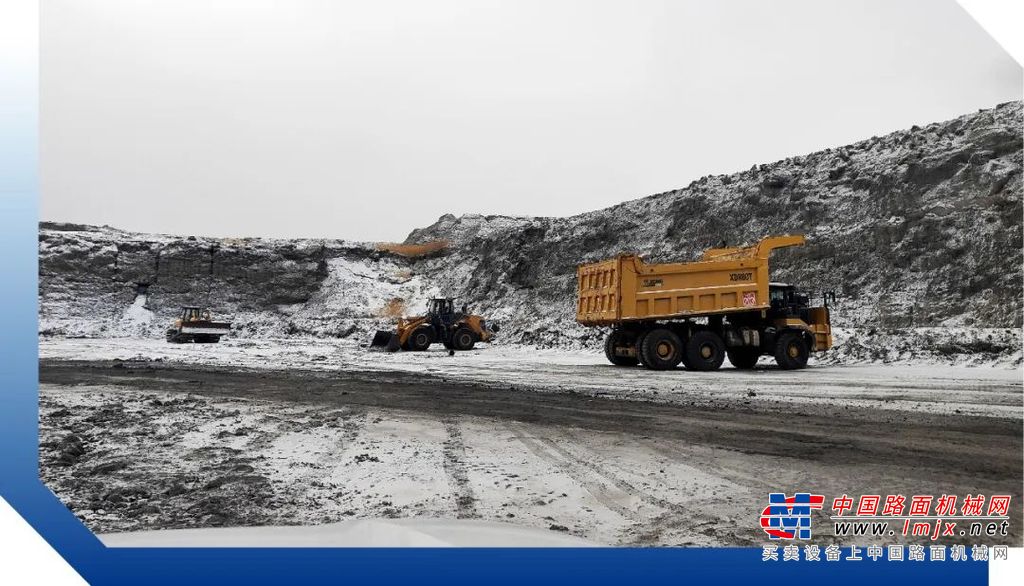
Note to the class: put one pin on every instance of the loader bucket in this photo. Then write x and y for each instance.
(384, 340)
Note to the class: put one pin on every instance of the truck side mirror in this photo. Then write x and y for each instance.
(828, 297)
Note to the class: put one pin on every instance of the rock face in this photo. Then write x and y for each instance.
(106, 282)
(921, 227)
(918, 228)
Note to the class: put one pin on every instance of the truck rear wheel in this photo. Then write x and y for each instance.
(661, 349)
(420, 339)
(463, 338)
(791, 351)
(744, 357)
(618, 339)
(705, 351)
(639, 344)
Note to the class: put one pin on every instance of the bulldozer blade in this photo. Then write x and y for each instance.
(384, 340)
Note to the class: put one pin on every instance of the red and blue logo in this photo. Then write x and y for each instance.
(790, 517)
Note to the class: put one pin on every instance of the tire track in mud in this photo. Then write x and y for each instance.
(743, 478)
(454, 461)
(309, 485)
(608, 475)
(683, 517)
(648, 527)
(573, 468)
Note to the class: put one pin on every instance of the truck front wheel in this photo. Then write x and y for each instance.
(791, 351)
(618, 339)
(705, 351)
(661, 349)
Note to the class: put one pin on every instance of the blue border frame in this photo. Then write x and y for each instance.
(20, 484)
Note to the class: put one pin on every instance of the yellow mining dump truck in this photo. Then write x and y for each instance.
(699, 312)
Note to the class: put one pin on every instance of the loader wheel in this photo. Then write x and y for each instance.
(743, 358)
(705, 351)
(615, 339)
(463, 339)
(420, 339)
(791, 351)
(662, 349)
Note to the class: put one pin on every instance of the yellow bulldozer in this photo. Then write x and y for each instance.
(194, 324)
(457, 330)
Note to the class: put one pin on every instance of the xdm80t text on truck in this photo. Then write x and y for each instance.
(700, 312)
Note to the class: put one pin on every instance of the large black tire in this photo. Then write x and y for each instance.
(463, 338)
(661, 349)
(618, 338)
(791, 351)
(639, 344)
(744, 357)
(705, 351)
(420, 339)
(686, 359)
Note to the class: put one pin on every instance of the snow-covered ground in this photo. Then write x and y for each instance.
(935, 388)
(143, 434)
(359, 533)
(153, 460)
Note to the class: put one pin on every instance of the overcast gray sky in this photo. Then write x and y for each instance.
(364, 120)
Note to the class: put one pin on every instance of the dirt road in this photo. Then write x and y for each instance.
(184, 447)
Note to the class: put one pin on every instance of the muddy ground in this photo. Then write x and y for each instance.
(151, 445)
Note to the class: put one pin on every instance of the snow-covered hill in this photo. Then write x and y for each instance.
(920, 228)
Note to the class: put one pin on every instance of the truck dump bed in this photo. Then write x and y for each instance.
(724, 280)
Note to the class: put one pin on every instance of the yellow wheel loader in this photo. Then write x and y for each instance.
(457, 330)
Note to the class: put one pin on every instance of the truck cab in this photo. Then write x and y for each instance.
(786, 300)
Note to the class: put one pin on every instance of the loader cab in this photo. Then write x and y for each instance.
(441, 307)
